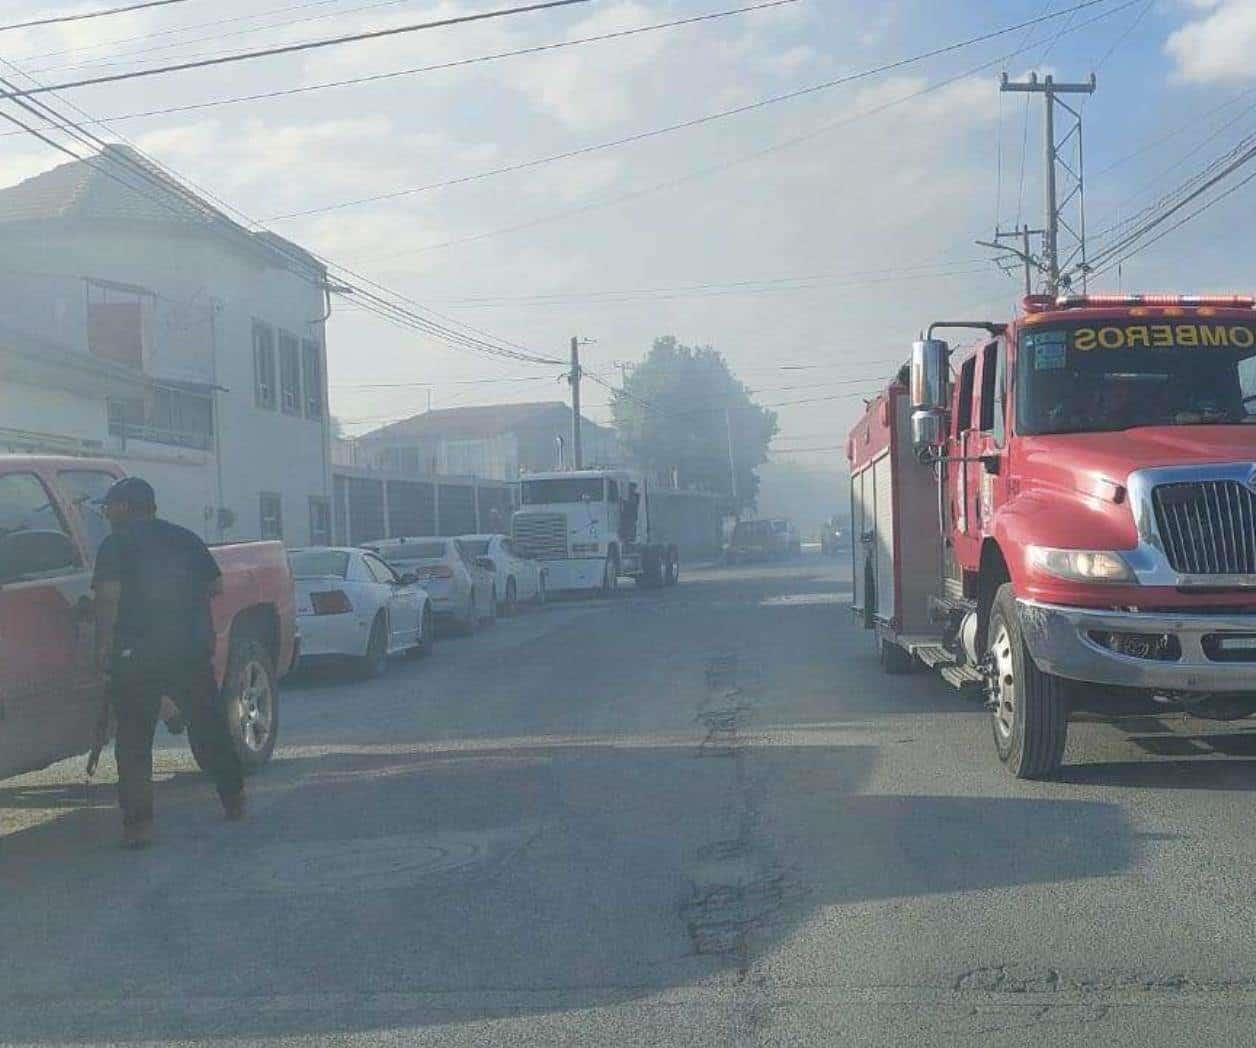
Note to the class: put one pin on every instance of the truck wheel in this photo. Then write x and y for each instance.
(894, 660)
(672, 575)
(610, 574)
(250, 698)
(1030, 707)
(652, 571)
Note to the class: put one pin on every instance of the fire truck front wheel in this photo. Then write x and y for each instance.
(1029, 707)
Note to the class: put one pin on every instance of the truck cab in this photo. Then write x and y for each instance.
(590, 528)
(1094, 468)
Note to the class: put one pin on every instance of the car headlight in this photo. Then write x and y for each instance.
(1081, 565)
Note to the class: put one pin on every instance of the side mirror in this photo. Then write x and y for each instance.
(930, 372)
(486, 563)
(30, 554)
(409, 578)
(991, 463)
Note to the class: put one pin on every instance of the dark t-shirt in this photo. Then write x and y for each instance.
(165, 573)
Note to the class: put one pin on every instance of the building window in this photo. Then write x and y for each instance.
(272, 516)
(312, 368)
(320, 521)
(264, 365)
(289, 374)
(178, 417)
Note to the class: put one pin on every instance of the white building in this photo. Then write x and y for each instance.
(140, 322)
(496, 441)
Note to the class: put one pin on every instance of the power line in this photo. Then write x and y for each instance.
(743, 158)
(309, 45)
(1100, 260)
(1178, 224)
(85, 15)
(439, 66)
(126, 57)
(684, 125)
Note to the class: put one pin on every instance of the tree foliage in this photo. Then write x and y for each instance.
(675, 413)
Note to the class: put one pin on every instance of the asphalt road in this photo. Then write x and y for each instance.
(694, 817)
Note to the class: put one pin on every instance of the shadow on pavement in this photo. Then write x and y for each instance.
(455, 882)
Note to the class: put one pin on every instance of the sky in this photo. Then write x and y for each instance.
(808, 240)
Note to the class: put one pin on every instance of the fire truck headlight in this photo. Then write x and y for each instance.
(1082, 565)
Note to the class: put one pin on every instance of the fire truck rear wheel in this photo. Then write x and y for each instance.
(1030, 708)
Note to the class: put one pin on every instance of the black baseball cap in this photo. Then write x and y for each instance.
(134, 491)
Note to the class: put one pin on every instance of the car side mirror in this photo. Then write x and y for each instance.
(409, 578)
(486, 563)
(992, 463)
(29, 554)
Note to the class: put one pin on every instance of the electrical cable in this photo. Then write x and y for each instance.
(735, 161)
(699, 121)
(308, 45)
(83, 16)
(373, 77)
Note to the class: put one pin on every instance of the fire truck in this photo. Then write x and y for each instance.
(1061, 516)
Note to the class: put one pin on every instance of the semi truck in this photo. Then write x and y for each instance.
(1062, 516)
(590, 528)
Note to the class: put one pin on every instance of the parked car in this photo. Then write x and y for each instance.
(352, 604)
(517, 577)
(760, 540)
(50, 690)
(462, 592)
(788, 543)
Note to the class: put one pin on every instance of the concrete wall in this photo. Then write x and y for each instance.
(201, 329)
(370, 506)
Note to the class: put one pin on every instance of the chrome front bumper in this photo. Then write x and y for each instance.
(1059, 640)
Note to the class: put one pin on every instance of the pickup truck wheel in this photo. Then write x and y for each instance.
(250, 698)
(1030, 708)
(375, 661)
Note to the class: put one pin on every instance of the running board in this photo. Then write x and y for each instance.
(964, 678)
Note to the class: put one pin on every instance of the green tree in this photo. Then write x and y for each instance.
(675, 412)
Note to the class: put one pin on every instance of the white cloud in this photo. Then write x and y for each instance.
(1221, 45)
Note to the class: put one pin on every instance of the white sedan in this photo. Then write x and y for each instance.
(350, 603)
(518, 578)
(463, 592)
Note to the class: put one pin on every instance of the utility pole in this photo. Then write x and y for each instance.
(1031, 264)
(1056, 154)
(577, 454)
(732, 457)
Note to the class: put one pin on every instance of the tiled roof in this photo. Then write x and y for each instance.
(473, 423)
(118, 184)
(109, 186)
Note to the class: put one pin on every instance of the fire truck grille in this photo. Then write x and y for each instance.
(541, 535)
(1208, 527)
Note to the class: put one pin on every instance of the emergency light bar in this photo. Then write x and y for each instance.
(1099, 301)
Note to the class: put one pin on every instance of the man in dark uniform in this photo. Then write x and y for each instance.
(155, 637)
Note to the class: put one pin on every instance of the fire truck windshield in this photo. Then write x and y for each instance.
(1119, 375)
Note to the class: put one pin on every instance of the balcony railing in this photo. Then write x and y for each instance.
(125, 431)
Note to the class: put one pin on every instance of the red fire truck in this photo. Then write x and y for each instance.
(1063, 515)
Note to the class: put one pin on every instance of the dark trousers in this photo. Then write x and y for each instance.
(136, 693)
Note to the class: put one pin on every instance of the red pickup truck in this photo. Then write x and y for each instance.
(50, 692)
